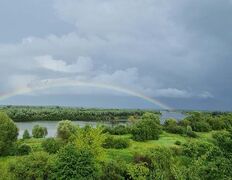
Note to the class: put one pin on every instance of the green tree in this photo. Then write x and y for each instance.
(91, 139)
(73, 163)
(23, 149)
(146, 129)
(171, 126)
(26, 134)
(8, 134)
(138, 171)
(39, 131)
(52, 145)
(151, 116)
(65, 129)
(30, 167)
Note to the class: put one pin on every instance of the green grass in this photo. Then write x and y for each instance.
(4, 162)
(166, 140)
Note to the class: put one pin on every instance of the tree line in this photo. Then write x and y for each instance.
(31, 113)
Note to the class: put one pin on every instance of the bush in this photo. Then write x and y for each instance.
(117, 143)
(146, 129)
(160, 163)
(202, 127)
(33, 166)
(23, 149)
(178, 143)
(171, 126)
(118, 130)
(224, 141)
(176, 150)
(51, 145)
(190, 132)
(196, 149)
(138, 171)
(26, 134)
(217, 123)
(8, 134)
(91, 139)
(113, 170)
(75, 164)
(39, 131)
(65, 129)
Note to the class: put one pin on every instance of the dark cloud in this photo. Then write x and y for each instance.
(176, 50)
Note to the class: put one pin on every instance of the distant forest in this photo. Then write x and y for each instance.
(57, 113)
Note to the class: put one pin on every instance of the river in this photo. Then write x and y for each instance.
(52, 125)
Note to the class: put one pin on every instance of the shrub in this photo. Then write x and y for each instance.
(224, 141)
(178, 143)
(8, 134)
(26, 134)
(113, 170)
(118, 130)
(39, 131)
(72, 163)
(138, 171)
(65, 129)
(143, 158)
(23, 149)
(202, 127)
(160, 163)
(196, 149)
(171, 126)
(146, 129)
(91, 139)
(151, 116)
(217, 123)
(184, 123)
(33, 166)
(176, 150)
(52, 145)
(117, 143)
(190, 132)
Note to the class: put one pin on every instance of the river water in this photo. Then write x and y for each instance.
(52, 125)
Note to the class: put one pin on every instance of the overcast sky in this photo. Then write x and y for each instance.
(176, 51)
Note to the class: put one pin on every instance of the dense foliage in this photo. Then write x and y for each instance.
(30, 167)
(27, 113)
(39, 131)
(65, 129)
(23, 149)
(117, 143)
(52, 145)
(137, 151)
(26, 134)
(148, 128)
(72, 163)
(8, 134)
(118, 130)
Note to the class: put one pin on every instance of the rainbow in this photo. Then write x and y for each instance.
(51, 83)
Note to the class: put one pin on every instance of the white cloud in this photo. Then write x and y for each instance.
(82, 64)
(173, 93)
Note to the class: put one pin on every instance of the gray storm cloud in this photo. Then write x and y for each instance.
(171, 49)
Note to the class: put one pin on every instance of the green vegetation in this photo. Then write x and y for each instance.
(39, 132)
(28, 113)
(26, 134)
(144, 149)
(8, 134)
(65, 129)
(148, 128)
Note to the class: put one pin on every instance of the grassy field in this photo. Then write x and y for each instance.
(166, 139)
